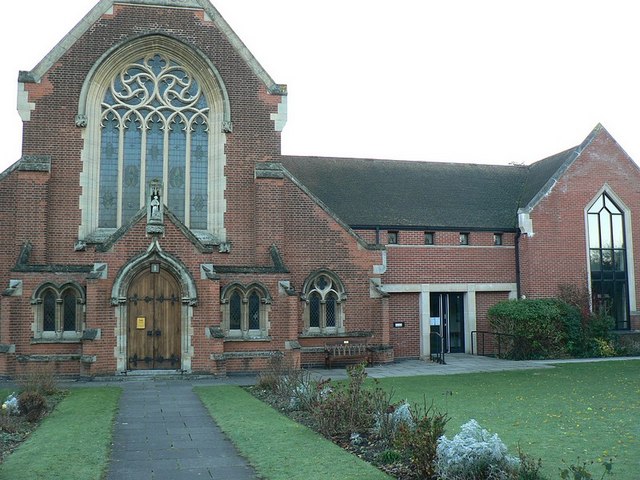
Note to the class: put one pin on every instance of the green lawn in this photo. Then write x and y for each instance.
(585, 411)
(589, 411)
(277, 447)
(72, 443)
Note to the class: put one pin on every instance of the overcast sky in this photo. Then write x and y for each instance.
(491, 81)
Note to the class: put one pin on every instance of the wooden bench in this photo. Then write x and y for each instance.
(346, 352)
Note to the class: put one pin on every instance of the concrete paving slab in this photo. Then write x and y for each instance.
(163, 431)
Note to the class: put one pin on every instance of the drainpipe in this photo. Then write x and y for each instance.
(517, 245)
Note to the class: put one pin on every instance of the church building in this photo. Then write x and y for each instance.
(152, 222)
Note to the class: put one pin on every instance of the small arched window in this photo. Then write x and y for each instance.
(245, 311)
(324, 297)
(58, 311)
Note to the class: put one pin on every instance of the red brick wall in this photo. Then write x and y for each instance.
(260, 212)
(449, 262)
(486, 344)
(405, 307)
(557, 252)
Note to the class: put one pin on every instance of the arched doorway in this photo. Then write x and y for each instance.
(154, 312)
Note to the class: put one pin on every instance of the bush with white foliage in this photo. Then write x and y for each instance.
(475, 454)
(10, 405)
(388, 422)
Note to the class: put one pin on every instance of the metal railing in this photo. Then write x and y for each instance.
(501, 345)
(438, 355)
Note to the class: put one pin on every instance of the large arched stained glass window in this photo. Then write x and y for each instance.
(154, 125)
(608, 258)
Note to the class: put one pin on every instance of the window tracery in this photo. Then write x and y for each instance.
(155, 125)
(324, 297)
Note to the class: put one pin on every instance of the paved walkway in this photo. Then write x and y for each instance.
(163, 432)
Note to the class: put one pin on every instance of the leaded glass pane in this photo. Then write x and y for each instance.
(177, 159)
(108, 196)
(155, 148)
(49, 312)
(330, 310)
(199, 173)
(235, 311)
(69, 304)
(322, 282)
(314, 310)
(131, 165)
(254, 311)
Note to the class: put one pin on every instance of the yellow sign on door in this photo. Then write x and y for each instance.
(141, 323)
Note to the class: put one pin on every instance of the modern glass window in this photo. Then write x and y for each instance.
(608, 260)
(464, 238)
(154, 126)
(392, 237)
(325, 296)
(245, 310)
(429, 238)
(497, 239)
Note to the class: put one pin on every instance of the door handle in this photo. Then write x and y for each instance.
(158, 333)
(149, 333)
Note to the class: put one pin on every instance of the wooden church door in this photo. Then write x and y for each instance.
(154, 311)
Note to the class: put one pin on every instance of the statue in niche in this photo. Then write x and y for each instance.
(154, 209)
(155, 206)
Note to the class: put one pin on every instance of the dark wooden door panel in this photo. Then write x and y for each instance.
(154, 321)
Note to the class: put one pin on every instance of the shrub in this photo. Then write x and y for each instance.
(419, 441)
(540, 328)
(600, 325)
(387, 457)
(39, 379)
(581, 471)
(473, 454)
(389, 417)
(9, 424)
(33, 405)
(346, 410)
(529, 467)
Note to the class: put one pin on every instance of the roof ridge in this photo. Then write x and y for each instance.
(103, 6)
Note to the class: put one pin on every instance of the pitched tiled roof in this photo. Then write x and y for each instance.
(392, 193)
(429, 195)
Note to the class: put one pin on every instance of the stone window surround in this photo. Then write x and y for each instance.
(245, 292)
(59, 334)
(337, 288)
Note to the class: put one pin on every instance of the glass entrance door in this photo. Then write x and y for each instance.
(447, 321)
